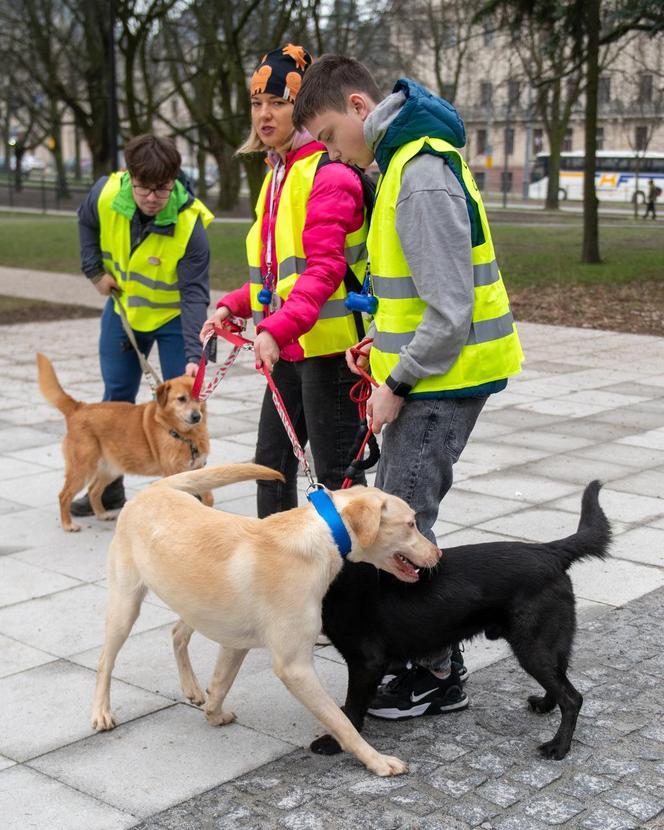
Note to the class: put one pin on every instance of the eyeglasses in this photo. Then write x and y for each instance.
(159, 192)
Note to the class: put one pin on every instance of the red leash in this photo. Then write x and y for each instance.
(231, 331)
(360, 393)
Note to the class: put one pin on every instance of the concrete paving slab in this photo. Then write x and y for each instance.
(461, 507)
(495, 456)
(7, 506)
(55, 701)
(5, 763)
(36, 489)
(20, 581)
(644, 544)
(84, 559)
(71, 621)
(13, 467)
(48, 455)
(146, 660)
(17, 657)
(552, 442)
(574, 469)
(621, 506)
(519, 487)
(613, 581)
(40, 526)
(147, 765)
(29, 799)
(646, 483)
(653, 438)
(535, 524)
(629, 456)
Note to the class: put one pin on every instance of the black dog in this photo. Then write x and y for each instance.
(513, 590)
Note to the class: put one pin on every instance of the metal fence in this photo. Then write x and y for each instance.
(41, 194)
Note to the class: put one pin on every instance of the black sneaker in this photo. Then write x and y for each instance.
(457, 662)
(418, 692)
(113, 498)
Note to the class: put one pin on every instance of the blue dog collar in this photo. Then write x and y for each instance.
(329, 513)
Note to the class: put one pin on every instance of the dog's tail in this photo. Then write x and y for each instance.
(208, 478)
(51, 389)
(593, 536)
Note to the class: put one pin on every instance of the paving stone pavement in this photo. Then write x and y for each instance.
(589, 405)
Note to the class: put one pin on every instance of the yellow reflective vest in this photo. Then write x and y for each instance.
(492, 350)
(148, 275)
(335, 330)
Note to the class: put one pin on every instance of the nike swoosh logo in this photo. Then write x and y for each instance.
(414, 698)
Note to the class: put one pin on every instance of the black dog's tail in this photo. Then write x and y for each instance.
(593, 535)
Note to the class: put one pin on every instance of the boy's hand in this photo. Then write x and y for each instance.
(216, 320)
(106, 284)
(383, 407)
(191, 369)
(361, 362)
(266, 350)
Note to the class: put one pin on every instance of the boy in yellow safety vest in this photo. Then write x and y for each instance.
(142, 233)
(444, 337)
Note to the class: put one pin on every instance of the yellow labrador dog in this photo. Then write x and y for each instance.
(246, 583)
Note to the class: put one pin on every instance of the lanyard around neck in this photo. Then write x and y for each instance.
(277, 178)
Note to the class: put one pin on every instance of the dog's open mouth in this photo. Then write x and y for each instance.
(406, 567)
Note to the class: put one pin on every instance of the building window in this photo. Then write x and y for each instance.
(567, 141)
(538, 141)
(600, 138)
(481, 141)
(640, 138)
(506, 181)
(604, 90)
(509, 140)
(480, 179)
(488, 35)
(513, 93)
(486, 93)
(448, 92)
(645, 89)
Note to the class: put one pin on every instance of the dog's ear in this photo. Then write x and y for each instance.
(363, 514)
(162, 393)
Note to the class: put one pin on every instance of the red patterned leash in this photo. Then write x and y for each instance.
(231, 331)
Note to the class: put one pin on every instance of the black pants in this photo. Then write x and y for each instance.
(315, 393)
(650, 208)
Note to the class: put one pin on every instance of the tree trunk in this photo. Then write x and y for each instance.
(229, 180)
(590, 251)
(254, 167)
(553, 187)
(201, 189)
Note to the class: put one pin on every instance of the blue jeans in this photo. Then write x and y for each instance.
(120, 368)
(417, 457)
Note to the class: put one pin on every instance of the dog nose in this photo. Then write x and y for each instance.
(195, 417)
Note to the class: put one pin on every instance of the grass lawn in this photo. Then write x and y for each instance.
(529, 256)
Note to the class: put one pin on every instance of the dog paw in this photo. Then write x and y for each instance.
(195, 696)
(540, 704)
(219, 718)
(386, 765)
(325, 745)
(103, 720)
(553, 750)
(107, 516)
(72, 527)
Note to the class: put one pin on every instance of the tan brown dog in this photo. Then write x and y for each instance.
(105, 440)
(248, 583)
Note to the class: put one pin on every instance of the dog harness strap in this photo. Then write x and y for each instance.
(193, 449)
(325, 508)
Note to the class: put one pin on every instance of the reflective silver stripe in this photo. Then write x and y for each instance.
(394, 288)
(106, 255)
(292, 265)
(123, 274)
(485, 330)
(355, 253)
(150, 283)
(257, 317)
(143, 302)
(486, 273)
(255, 275)
(333, 308)
(482, 331)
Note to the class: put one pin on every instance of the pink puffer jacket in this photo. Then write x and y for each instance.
(335, 209)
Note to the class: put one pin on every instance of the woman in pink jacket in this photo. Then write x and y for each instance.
(305, 251)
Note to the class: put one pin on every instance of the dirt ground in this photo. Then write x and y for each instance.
(637, 308)
(632, 307)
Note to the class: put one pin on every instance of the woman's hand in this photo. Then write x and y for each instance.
(359, 362)
(216, 320)
(266, 350)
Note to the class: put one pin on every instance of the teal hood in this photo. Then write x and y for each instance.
(422, 113)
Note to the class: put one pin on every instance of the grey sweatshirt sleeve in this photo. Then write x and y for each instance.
(88, 232)
(194, 286)
(434, 230)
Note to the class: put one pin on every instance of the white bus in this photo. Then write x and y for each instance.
(615, 177)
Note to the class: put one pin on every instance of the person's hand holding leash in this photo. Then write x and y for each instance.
(356, 362)
(191, 369)
(106, 284)
(216, 320)
(383, 407)
(266, 350)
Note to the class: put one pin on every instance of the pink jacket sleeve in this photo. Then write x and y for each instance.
(237, 301)
(335, 209)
